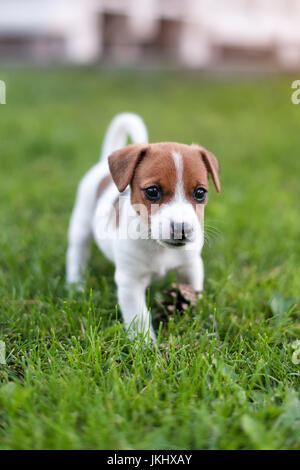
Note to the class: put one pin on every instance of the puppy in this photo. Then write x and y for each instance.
(144, 205)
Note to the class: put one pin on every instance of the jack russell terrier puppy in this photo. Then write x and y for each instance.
(144, 205)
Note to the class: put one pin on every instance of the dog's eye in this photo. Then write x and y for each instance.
(153, 193)
(200, 194)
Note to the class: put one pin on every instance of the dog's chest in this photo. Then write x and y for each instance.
(165, 262)
(158, 261)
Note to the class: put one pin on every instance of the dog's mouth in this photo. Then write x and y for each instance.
(172, 243)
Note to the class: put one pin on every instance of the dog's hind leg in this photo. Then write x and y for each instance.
(80, 229)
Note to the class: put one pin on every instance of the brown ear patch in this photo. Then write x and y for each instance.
(212, 166)
(122, 164)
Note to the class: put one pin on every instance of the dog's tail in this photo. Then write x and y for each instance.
(122, 127)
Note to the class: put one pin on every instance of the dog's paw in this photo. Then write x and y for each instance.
(75, 287)
(141, 338)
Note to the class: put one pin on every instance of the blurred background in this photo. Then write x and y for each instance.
(213, 72)
(197, 34)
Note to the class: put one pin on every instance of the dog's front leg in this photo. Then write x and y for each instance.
(131, 297)
(193, 273)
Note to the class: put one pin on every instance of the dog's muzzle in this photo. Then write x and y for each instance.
(180, 234)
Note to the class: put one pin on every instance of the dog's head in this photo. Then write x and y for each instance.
(169, 186)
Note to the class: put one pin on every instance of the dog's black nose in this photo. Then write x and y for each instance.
(180, 231)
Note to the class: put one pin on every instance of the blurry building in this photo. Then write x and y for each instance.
(193, 33)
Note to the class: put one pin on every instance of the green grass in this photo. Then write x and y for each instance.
(222, 376)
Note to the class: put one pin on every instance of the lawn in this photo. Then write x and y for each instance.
(223, 375)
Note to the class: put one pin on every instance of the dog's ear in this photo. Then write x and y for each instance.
(123, 162)
(212, 166)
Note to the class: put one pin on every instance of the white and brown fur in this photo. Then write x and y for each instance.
(143, 240)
